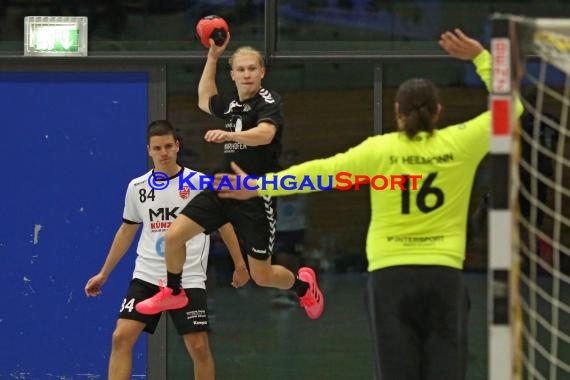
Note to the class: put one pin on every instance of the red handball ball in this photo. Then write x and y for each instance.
(213, 27)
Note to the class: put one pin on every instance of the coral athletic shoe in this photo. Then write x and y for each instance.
(162, 301)
(313, 301)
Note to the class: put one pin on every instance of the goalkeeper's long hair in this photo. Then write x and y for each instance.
(418, 106)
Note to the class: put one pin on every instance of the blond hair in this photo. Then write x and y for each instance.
(247, 50)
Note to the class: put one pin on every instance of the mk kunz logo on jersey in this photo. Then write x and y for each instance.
(161, 218)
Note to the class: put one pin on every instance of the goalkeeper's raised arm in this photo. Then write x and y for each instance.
(460, 46)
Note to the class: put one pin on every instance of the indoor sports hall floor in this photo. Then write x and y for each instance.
(252, 339)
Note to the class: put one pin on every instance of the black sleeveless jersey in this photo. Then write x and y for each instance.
(238, 115)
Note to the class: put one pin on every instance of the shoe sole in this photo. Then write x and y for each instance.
(141, 309)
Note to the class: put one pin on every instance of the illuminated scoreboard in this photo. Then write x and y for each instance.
(55, 36)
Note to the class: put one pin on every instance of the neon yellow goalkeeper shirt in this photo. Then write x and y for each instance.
(426, 226)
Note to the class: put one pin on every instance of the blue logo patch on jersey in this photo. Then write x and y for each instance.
(160, 247)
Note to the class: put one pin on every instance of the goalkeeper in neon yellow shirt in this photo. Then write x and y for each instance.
(416, 299)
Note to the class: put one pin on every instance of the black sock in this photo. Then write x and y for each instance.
(174, 281)
(300, 287)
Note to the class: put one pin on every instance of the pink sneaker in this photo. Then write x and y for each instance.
(313, 301)
(162, 301)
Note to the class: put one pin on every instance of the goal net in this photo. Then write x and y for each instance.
(530, 273)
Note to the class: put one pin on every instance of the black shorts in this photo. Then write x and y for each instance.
(191, 318)
(253, 219)
(418, 319)
(290, 242)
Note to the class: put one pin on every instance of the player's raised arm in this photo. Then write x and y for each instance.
(207, 85)
(458, 45)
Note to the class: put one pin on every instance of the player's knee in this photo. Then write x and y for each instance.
(199, 349)
(121, 340)
(261, 277)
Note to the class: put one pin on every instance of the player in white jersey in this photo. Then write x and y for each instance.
(155, 210)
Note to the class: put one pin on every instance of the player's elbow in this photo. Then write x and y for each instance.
(264, 134)
(203, 105)
(265, 139)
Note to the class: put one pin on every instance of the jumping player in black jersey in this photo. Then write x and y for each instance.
(251, 137)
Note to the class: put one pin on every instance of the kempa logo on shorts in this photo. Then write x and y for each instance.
(200, 322)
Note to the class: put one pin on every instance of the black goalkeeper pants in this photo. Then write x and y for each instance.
(418, 322)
